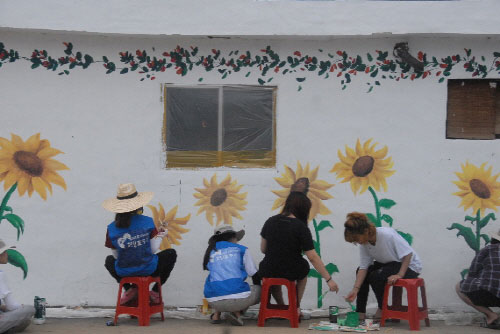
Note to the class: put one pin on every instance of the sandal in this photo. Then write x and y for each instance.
(494, 325)
(215, 321)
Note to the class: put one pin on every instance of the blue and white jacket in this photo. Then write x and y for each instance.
(229, 266)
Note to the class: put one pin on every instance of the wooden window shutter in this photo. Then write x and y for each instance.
(471, 110)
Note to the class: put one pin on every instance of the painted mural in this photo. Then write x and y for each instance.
(28, 167)
(339, 65)
(479, 191)
(305, 179)
(170, 223)
(223, 200)
(366, 168)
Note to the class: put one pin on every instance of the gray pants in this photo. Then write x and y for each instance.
(17, 320)
(237, 304)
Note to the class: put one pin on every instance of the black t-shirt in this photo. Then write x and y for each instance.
(286, 239)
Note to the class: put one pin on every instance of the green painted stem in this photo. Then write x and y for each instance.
(320, 281)
(378, 223)
(478, 230)
(6, 199)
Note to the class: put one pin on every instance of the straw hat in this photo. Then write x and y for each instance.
(228, 228)
(127, 199)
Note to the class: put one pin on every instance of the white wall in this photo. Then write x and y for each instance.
(109, 127)
(253, 18)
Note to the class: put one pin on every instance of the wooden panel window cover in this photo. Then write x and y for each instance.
(471, 108)
(231, 126)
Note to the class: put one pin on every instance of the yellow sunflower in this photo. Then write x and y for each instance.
(169, 223)
(223, 200)
(304, 180)
(364, 167)
(478, 188)
(29, 164)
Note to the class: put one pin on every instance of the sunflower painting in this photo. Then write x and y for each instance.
(223, 200)
(305, 180)
(478, 189)
(170, 223)
(366, 168)
(29, 167)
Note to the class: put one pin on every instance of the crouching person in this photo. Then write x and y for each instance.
(14, 317)
(229, 265)
(481, 288)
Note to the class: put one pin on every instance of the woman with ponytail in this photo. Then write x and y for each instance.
(229, 265)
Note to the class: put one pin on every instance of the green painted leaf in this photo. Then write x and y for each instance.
(246, 75)
(123, 71)
(261, 82)
(388, 219)
(331, 268)
(369, 90)
(18, 260)
(377, 83)
(486, 238)
(200, 79)
(467, 233)
(496, 54)
(7, 208)
(464, 273)
(483, 222)
(299, 88)
(369, 57)
(373, 219)
(313, 273)
(300, 79)
(441, 80)
(407, 236)
(17, 222)
(469, 218)
(386, 203)
(324, 224)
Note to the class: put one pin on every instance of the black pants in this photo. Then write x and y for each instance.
(166, 262)
(376, 277)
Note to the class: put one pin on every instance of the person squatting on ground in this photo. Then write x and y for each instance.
(229, 265)
(284, 237)
(134, 240)
(481, 288)
(385, 257)
(14, 317)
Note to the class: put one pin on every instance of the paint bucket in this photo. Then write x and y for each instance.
(39, 317)
(333, 312)
(352, 319)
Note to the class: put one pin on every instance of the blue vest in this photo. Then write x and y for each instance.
(134, 247)
(227, 271)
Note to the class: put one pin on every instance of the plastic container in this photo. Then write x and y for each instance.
(352, 319)
(333, 312)
(40, 304)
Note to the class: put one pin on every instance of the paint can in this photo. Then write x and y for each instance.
(352, 319)
(40, 304)
(333, 312)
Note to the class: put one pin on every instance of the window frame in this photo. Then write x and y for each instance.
(219, 158)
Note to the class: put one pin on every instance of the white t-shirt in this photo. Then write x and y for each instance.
(389, 247)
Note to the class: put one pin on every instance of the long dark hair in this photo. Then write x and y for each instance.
(298, 204)
(123, 220)
(226, 236)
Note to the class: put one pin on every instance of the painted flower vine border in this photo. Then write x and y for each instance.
(182, 60)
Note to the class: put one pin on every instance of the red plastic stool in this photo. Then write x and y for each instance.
(413, 313)
(268, 310)
(144, 309)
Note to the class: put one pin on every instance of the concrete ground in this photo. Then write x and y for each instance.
(193, 326)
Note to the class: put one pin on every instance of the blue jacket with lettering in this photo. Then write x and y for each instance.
(134, 247)
(227, 272)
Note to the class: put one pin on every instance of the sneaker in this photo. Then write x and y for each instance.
(128, 295)
(154, 297)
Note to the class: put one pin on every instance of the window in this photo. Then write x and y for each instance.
(473, 109)
(211, 126)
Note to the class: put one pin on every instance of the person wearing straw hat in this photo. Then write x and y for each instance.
(229, 265)
(481, 288)
(14, 317)
(134, 241)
